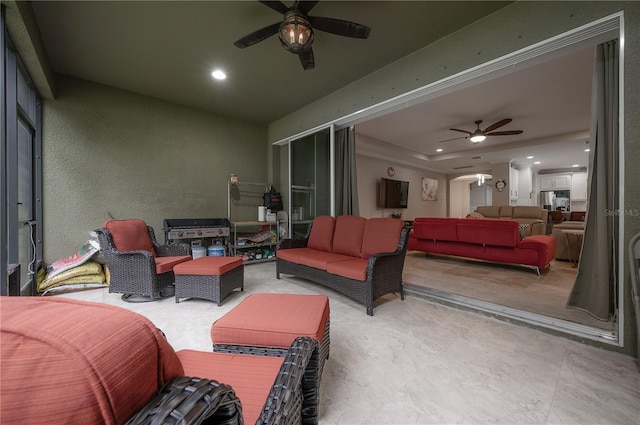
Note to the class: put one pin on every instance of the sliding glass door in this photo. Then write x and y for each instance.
(310, 188)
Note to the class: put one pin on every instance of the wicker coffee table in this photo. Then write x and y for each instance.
(209, 278)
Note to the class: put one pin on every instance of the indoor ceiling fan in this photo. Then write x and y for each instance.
(296, 29)
(478, 135)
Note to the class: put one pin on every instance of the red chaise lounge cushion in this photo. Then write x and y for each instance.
(68, 362)
(253, 322)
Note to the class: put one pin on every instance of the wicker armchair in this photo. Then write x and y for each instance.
(292, 399)
(139, 268)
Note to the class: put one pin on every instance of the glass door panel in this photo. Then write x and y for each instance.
(26, 252)
(310, 181)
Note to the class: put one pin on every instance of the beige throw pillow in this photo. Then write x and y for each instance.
(474, 215)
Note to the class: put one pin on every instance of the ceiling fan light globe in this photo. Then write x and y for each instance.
(295, 33)
(478, 138)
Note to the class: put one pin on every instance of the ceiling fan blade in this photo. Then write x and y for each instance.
(504, 133)
(278, 6)
(305, 6)
(498, 125)
(451, 140)
(461, 131)
(306, 59)
(339, 27)
(257, 36)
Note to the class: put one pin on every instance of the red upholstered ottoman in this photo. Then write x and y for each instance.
(267, 324)
(209, 278)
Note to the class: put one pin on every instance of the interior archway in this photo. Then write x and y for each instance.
(468, 192)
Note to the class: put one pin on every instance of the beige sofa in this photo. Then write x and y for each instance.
(562, 247)
(535, 217)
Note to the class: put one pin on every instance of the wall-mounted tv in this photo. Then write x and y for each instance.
(393, 193)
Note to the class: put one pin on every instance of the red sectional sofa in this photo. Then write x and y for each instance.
(361, 258)
(490, 240)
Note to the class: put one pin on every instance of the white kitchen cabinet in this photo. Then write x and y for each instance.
(555, 181)
(579, 187)
(525, 186)
(513, 183)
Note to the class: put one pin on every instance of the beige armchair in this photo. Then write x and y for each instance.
(535, 217)
(562, 245)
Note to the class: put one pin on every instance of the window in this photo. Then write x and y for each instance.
(21, 208)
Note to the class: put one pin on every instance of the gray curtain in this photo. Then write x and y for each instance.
(595, 289)
(346, 180)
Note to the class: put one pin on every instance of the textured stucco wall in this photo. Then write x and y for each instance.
(514, 27)
(108, 151)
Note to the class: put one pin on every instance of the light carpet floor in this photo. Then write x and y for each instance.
(416, 362)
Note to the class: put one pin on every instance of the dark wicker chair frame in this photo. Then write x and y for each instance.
(384, 273)
(134, 272)
(324, 348)
(293, 398)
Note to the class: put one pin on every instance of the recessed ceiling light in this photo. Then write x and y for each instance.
(587, 150)
(530, 157)
(439, 150)
(537, 162)
(218, 74)
(575, 165)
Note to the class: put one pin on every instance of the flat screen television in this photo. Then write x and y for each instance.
(393, 193)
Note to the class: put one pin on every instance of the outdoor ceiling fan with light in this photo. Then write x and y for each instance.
(479, 136)
(296, 29)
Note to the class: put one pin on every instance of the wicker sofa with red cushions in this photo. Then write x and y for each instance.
(72, 362)
(490, 240)
(358, 257)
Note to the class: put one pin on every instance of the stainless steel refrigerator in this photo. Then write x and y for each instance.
(555, 199)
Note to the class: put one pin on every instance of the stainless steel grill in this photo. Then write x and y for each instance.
(192, 228)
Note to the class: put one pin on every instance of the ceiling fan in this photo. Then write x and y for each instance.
(478, 135)
(296, 29)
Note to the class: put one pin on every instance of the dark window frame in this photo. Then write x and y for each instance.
(11, 67)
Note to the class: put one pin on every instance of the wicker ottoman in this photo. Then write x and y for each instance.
(267, 324)
(209, 278)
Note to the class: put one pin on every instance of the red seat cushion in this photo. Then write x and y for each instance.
(272, 320)
(321, 236)
(381, 235)
(208, 266)
(251, 377)
(130, 235)
(320, 259)
(74, 362)
(166, 264)
(353, 269)
(292, 254)
(348, 235)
